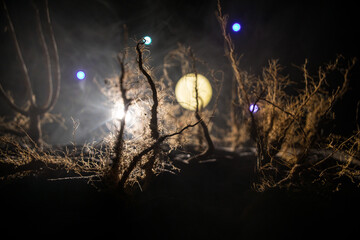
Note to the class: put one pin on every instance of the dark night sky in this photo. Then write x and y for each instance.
(89, 34)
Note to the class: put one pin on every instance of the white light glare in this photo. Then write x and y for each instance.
(118, 113)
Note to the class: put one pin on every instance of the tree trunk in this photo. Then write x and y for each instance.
(35, 132)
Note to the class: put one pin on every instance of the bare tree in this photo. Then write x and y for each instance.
(115, 171)
(210, 145)
(154, 127)
(136, 159)
(119, 142)
(122, 170)
(34, 111)
(287, 129)
(186, 59)
(242, 88)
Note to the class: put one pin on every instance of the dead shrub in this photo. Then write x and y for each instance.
(286, 130)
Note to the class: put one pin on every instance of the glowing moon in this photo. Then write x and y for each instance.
(185, 91)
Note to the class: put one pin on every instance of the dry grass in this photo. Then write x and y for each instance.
(19, 160)
(136, 159)
(286, 131)
(287, 128)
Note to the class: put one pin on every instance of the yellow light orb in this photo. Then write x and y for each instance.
(186, 94)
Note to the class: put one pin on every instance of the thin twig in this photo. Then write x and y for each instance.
(72, 178)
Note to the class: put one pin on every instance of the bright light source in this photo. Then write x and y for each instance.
(134, 118)
(147, 40)
(80, 75)
(118, 112)
(185, 91)
(236, 27)
(253, 108)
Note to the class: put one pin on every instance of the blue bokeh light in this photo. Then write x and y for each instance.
(80, 75)
(147, 40)
(254, 108)
(236, 27)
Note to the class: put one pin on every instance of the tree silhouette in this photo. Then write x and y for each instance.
(34, 111)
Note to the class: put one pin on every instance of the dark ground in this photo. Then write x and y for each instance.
(210, 200)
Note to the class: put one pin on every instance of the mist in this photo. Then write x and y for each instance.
(205, 133)
(90, 34)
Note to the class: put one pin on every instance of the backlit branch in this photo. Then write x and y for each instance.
(153, 120)
(57, 72)
(119, 143)
(136, 159)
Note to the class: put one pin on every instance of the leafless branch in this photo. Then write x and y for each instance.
(153, 120)
(136, 159)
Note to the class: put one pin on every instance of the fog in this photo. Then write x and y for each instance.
(89, 34)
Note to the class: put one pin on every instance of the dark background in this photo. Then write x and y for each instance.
(89, 34)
